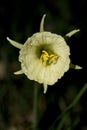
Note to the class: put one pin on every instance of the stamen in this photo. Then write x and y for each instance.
(44, 57)
(53, 58)
(48, 59)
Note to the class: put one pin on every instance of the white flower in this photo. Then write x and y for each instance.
(44, 56)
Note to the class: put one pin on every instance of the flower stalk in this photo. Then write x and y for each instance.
(35, 107)
(64, 115)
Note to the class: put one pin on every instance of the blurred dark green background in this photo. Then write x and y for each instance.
(19, 19)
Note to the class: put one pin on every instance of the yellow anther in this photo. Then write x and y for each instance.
(52, 58)
(44, 57)
(48, 59)
(45, 53)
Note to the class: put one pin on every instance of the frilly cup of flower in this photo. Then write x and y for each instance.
(44, 57)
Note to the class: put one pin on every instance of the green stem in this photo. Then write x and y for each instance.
(60, 125)
(77, 98)
(35, 107)
(73, 103)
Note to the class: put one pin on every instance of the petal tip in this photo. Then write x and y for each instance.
(18, 72)
(77, 67)
(14, 43)
(72, 32)
(45, 88)
(42, 23)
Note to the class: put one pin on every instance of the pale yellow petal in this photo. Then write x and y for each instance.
(14, 43)
(78, 67)
(42, 23)
(72, 33)
(18, 72)
(75, 66)
(45, 88)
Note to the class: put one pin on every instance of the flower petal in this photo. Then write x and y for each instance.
(42, 23)
(19, 72)
(72, 66)
(45, 88)
(14, 43)
(72, 33)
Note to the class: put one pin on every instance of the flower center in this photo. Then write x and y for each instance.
(48, 59)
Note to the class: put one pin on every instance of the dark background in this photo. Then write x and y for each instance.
(19, 19)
